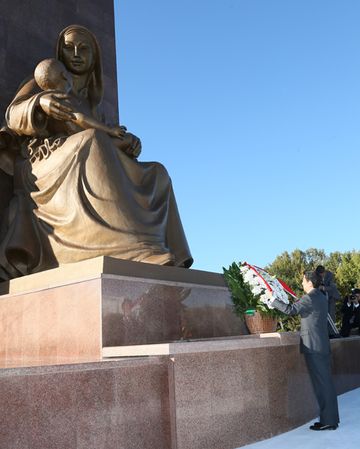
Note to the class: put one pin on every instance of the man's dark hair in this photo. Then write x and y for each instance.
(314, 277)
(320, 269)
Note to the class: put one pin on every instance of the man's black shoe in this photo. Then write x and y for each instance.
(319, 426)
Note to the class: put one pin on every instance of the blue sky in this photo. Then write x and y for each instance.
(254, 108)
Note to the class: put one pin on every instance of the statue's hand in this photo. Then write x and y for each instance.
(55, 105)
(118, 131)
(129, 144)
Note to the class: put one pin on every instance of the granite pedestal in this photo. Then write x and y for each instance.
(112, 405)
(71, 313)
(216, 394)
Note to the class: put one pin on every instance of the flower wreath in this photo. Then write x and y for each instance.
(262, 283)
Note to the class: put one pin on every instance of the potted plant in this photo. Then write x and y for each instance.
(251, 296)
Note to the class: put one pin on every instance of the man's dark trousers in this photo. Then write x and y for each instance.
(319, 367)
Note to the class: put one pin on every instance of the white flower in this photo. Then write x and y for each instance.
(250, 277)
(257, 289)
(266, 296)
(244, 269)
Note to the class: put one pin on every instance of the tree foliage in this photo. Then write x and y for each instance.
(347, 274)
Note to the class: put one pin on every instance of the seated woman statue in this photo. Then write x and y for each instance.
(81, 193)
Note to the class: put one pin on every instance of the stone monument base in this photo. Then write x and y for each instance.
(201, 395)
(121, 355)
(69, 314)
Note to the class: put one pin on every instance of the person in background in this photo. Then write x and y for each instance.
(351, 313)
(315, 345)
(328, 286)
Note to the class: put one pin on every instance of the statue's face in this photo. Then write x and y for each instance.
(77, 52)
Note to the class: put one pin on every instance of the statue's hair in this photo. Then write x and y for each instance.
(48, 72)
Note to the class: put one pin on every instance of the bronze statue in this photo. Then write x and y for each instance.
(79, 190)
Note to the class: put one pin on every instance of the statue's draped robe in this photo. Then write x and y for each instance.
(77, 196)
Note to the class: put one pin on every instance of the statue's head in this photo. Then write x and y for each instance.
(78, 49)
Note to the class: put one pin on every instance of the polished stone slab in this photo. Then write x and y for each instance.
(203, 345)
(51, 323)
(144, 311)
(212, 394)
(238, 395)
(73, 311)
(111, 405)
(346, 363)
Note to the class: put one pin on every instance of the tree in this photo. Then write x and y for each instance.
(347, 274)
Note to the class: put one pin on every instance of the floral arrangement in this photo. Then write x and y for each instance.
(253, 288)
(263, 284)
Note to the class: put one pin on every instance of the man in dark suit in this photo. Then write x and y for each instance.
(328, 286)
(351, 313)
(315, 345)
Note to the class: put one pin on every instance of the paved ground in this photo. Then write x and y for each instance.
(347, 436)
